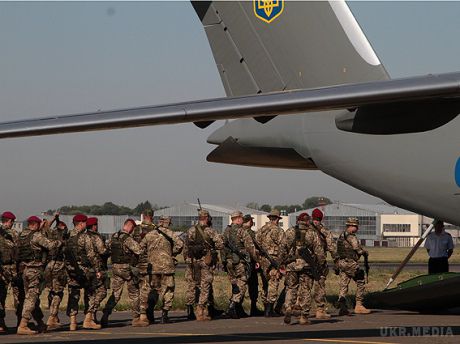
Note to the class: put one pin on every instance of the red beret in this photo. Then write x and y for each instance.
(303, 217)
(8, 215)
(317, 214)
(91, 221)
(79, 218)
(132, 221)
(34, 219)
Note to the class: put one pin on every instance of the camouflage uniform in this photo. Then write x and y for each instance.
(202, 243)
(32, 246)
(144, 270)
(349, 251)
(161, 245)
(238, 251)
(94, 299)
(125, 252)
(8, 270)
(82, 263)
(272, 239)
(305, 255)
(55, 272)
(328, 245)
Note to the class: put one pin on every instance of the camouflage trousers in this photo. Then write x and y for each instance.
(94, 300)
(320, 288)
(89, 283)
(238, 276)
(271, 281)
(349, 269)
(9, 276)
(299, 286)
(192, 293)
(163, 286)
(56, 281)
(32, 277)
(120, 276)
(206, 277)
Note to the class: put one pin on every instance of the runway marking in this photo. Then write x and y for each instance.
(344, 341)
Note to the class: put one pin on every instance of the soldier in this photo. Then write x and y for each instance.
(192, 280)
(162, 246)
(8, 271)
(84, 271)
(349, 250)
(305, 255)
(237, 253)
(271, 239)
(202, 245)
(328, 244)
(32, 245)
(56, 274)
(253, 280)
(102, 251)
(125, 252)
(139, 233)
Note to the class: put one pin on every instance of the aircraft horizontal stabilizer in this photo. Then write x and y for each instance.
(263, 105)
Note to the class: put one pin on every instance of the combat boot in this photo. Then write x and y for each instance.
(23, 328)
(304, 320)
(3, 328)
(73, 323)
(164, 317)
(41, 326)
(136, 322)
(240, 310)
(342, 306)
(105, 319)
(143, 320)
(89, 323)
(199, 313)
(190, 313)
(231, 312)
(360, 309)
(269, 313)
(322, 314)
(287, 316)
(214, 312)
(255, 312)
(206, 316)
(52, 323)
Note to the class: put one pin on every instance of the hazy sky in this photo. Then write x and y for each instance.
(62, 57)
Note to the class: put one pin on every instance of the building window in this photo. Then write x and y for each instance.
(396, 227)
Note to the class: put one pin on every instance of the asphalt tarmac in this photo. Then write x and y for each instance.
(380, 327)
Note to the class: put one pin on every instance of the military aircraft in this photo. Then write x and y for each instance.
(308, 92)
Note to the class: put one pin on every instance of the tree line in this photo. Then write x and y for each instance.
(108, 208)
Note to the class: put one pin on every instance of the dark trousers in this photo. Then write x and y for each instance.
(253, 284)
(438, 265)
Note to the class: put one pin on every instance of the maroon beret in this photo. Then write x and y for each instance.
(303, 217)
(8, 215)
(79, 218)
(91, 221)
(34, 219)
(317, 214)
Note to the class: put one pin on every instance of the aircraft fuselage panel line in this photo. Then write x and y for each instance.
(280, 103)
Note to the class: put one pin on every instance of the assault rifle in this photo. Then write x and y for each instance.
(243, 256)
(309, 257)
(265, 254)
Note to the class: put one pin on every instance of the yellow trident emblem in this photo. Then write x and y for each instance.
(268, 10)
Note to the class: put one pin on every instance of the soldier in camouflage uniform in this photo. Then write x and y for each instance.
(125, 252)
(147, 292)
(162, 246)
(103, 254)
(350, 250)
(8, 271)
(329, 245)
(84, 271)
(272, 239)
(56, 274)
(305, 255)
(32, 246)
(253, 280)
(236, 255)
(202, 245)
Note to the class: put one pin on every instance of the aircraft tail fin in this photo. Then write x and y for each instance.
(268, 46)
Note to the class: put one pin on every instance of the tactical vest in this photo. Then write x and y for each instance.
(233, 244)
(60, 235)
(74, 253)
(7, 253)
(344, 248)
(300, 240)
(119, 256)
(25, 251)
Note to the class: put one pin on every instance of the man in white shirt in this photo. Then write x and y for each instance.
(440, 247)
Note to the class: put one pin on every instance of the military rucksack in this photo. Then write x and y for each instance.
(76, 254)
(344, 248)
(119, 256)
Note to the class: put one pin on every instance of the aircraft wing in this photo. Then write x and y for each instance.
(262, 106)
